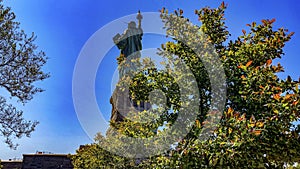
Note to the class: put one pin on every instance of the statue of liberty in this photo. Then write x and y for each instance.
(130, 44)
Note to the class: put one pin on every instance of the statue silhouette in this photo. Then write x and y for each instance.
(130, 44)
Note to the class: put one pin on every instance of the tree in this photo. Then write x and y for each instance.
(94, 156)
(256, 128)
(20, 67)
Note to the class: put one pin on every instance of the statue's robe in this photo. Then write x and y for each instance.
(131, 41)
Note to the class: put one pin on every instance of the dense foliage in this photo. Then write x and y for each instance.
(256, 129)
(20, 67)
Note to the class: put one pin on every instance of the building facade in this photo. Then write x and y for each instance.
(40, 161)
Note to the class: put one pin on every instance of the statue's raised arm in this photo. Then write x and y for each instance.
(139, 17)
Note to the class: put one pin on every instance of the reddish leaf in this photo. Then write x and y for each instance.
(291, 34)
(242, 118)
(276, 96)
(223, 5)
(256, 132)
(180, 11)
(265, 22)
(237, 114)
(244, 32)
(288, 96)
(277, 88)
(269, 62)
(249, 63)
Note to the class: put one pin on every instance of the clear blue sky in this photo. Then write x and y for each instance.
(63, 27)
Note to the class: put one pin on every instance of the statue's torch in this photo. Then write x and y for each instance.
(139, 17)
